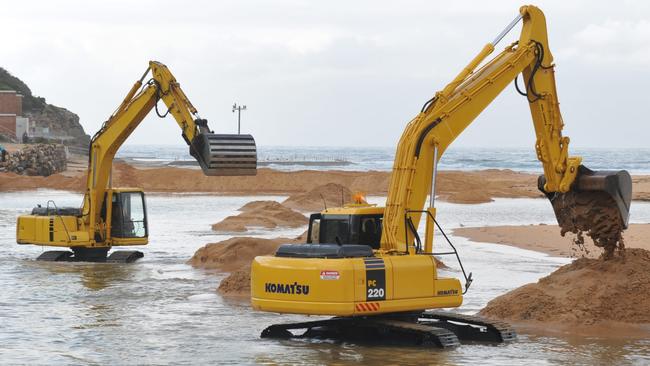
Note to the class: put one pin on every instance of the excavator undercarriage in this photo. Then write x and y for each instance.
(429, 328)
(99, 255)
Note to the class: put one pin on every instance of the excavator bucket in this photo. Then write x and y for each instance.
(225, 154)
(598, 204)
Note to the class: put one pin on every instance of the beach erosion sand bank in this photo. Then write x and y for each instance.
(451, 186)
(586, 296)
(547, 238)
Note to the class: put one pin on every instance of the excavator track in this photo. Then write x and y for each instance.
(471, 328)
(90, 255)
(430, 328)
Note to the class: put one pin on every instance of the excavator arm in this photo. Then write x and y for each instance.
(450, 111)
(216, 154)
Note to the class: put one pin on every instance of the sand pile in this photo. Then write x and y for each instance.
(330, 194)
(238, 283)
(266, 214)
(234, 253)
(585, 292)
(594, 214)
(125, 175)
(235, 256)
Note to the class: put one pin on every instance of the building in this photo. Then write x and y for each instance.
(12, 122)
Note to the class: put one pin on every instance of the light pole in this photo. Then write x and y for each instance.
(238, 108)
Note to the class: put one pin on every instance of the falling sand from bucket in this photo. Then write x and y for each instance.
(594, 214)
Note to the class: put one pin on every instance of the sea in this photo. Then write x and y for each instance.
(635, 160)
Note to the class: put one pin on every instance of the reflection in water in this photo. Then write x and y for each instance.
(94, 276)
(162, 311)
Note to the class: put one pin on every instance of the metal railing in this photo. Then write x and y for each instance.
(57, 214)
(418, 247)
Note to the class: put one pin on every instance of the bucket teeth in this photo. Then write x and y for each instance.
(225, 155)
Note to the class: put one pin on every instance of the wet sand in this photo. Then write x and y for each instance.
(589, 293)
(315, 199)
(235, 256)
(547, 238)
(452, 186)
(264, 214)
(585, 297)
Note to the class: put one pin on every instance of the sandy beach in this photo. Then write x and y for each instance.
(547, 238)
(452, 186)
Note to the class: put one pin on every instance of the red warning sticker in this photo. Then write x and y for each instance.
(329, 275)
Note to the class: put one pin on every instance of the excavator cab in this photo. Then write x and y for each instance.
(223, 154)
(356, 228)
(126, 216)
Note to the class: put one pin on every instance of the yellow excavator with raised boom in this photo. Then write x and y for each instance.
(111, 217)
(367, 266)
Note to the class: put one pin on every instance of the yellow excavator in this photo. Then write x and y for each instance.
(367, 265)
(111, 217)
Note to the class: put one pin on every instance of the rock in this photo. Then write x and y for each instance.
(38, 159)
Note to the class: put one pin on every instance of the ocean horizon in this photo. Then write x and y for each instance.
(635, 160)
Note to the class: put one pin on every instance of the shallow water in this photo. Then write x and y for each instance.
(162, 311)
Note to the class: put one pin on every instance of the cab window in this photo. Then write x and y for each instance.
(334, 230)
(370, 231)
(128, 219)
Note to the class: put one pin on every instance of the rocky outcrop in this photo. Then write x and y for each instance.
(60, 121)
(39, 159)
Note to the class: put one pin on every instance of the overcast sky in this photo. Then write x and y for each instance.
(329, 73)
